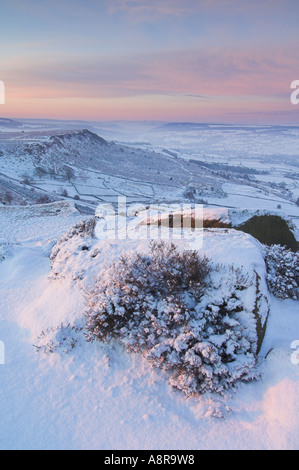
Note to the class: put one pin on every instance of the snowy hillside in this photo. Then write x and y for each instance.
(81, 165)
(220, 166)
(96, 396)
(56, 267)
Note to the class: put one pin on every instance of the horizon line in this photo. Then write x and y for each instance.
(163, 121)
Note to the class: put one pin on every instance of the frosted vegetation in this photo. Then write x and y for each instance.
(5, 250)
(156, 305)
(2, 253)
(283, 272)
(184, 313)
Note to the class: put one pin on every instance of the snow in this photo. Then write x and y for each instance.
(99, 397)
(96, 396)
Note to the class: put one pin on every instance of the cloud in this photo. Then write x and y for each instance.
(151, 9)
(203, 74)
(141, 9)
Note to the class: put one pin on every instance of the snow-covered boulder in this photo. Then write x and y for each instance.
(207, 339)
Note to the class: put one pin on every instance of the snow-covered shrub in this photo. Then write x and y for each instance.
(282, 271)
(78, 240)
(155, 304)
(2, 253)
(139, 282)
(63, 338)
(5, 251)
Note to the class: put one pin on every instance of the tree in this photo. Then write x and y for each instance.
(26, 180)
(45, 199)
(40, 172)
(8, 197)
(68, 173)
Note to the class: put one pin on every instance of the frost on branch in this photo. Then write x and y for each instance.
(165, 306)
(61, 338)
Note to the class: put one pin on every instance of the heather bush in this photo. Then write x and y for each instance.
(84, 229)
(63, 338)
(154, 304)
(282, 271)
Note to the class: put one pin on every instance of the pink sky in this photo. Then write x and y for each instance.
(199, 60)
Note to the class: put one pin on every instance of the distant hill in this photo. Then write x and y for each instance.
(4, 122)
(80, 164)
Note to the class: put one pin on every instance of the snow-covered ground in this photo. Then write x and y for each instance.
(99, 397)
(229, 166)
(95, 396)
